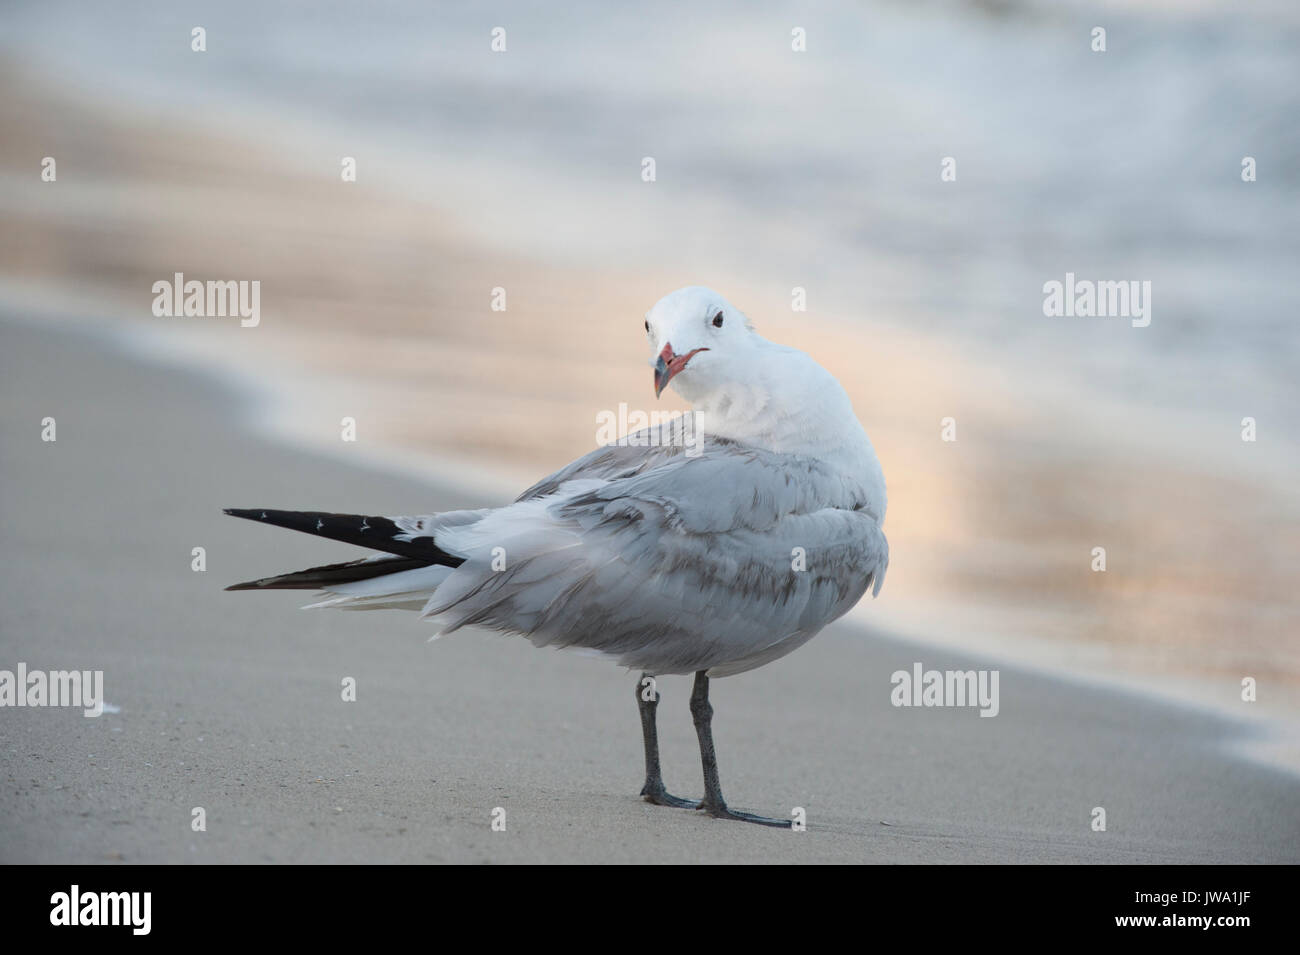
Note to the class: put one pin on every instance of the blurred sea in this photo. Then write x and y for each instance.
(817, 169)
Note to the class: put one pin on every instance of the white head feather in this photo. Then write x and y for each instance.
(754, 391)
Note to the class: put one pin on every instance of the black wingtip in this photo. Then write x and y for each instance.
(377, 533)
(331, 575)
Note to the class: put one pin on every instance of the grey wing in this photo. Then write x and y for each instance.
(720, 562)
(633, 454)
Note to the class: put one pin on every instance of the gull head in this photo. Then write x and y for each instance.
(699, 342)
(746, 389)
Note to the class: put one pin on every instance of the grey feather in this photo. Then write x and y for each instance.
(668, 562)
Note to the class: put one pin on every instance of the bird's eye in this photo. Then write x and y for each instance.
(717, 320)
(647, 326)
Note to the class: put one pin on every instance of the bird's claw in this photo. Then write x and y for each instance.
(658, 796)
(720, 811)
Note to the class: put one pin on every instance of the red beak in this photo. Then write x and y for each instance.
(669, 364)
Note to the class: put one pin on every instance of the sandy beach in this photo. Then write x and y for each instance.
(231, 702)
(1016, 446)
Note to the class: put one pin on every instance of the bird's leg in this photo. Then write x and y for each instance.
(647, 700)
(713, 804)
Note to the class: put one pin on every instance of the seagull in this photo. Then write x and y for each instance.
(663, 554)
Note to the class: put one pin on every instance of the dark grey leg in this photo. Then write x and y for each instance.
(713, 804)
(653, 791)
